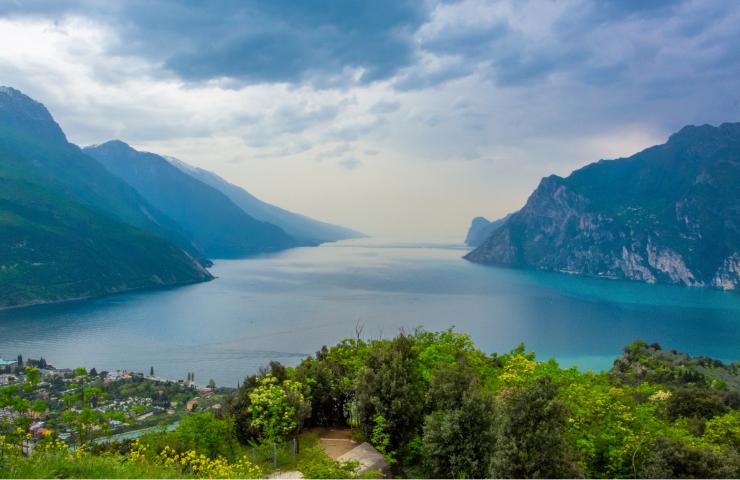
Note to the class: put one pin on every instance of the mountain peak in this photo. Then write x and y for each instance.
(694, 133)
(20, 112)
(113, 145)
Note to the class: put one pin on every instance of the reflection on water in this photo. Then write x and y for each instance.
(286, 305)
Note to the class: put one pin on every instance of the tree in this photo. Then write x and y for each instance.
(458, 433)
(457, 443)
(390, 386)
(529, 434)
(151, 371)
(212, 384)
(696, 402)
(277, 408)
(331, 376)
(33, 377)
(238, 404)
(207, 434)
(674, 459)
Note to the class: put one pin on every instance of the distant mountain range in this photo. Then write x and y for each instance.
(669, 214)
(77, 224)
(306, 231)
(214, 223)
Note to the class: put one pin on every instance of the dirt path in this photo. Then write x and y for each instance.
(335, 441)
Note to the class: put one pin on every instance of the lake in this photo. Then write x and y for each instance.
(286, 305)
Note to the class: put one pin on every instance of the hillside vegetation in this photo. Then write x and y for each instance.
(436, 406)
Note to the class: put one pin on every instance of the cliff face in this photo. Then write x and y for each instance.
(669, 214)
(481, 228)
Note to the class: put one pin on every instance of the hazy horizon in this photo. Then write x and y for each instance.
(400, 120)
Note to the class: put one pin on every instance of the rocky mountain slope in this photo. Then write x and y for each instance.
(669, 214)
(70, 229)
(481, 228)
(306, 230)
(208, 217)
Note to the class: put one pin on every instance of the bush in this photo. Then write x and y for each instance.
(314, 463)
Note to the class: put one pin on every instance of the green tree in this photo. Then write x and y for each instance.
(33, 377)
(331, 377)
(238, 404)
(277, 409)
(695, 402)
(458, 435)
(207, 434)
(390, 386)
(674, 459)
(529, 434)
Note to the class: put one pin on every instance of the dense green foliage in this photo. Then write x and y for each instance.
(436, 406)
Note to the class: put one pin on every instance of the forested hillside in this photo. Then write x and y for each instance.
(436, 406)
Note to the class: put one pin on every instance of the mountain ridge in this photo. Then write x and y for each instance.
(307, 230)
(210, 218)
(667, 214)
(68, 228)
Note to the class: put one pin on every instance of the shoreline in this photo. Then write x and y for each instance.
(39, 303)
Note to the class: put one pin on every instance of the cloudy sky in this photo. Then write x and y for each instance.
(403, 120)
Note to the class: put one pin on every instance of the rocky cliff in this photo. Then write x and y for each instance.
(668, 214)
(481, 228)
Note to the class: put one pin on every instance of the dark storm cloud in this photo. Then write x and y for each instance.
(613, 44)
(324, 43)
(255, 41)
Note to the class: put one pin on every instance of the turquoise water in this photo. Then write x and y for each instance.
(286, 305)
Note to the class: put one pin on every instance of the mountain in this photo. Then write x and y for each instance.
(481, 228)
(669, 214)
(306, 230)
(68, 228)
(37, 151)
(210, 218)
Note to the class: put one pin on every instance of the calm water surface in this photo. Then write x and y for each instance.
(284, 306)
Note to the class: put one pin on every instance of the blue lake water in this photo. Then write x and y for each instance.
(286, 305)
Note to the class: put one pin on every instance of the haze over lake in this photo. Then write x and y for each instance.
(286, 305)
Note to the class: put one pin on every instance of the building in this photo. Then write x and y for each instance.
(6, 363)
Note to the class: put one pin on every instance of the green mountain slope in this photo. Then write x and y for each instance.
(52, 249)
(205, 214)
(306, 230)
(33, 148)
(668, 214)
(62, 219)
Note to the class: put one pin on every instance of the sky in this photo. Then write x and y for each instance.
(403, 120)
